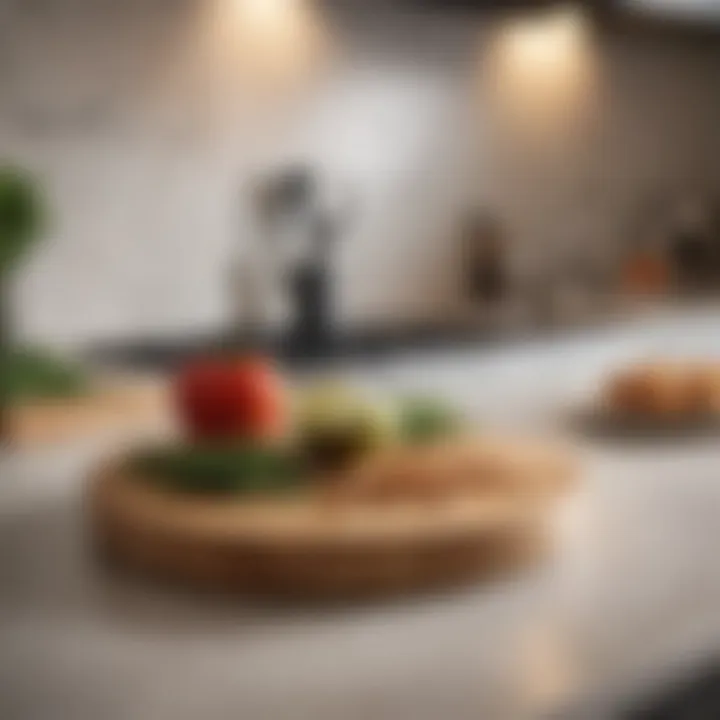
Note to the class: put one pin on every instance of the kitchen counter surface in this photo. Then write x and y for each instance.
(632, 593)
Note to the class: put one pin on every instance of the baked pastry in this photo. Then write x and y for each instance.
(665, 390)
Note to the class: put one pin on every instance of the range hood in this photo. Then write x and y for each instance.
(686, 11)
(506, 5)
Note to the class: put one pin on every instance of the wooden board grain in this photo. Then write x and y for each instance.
(306, 547)
(113, 405)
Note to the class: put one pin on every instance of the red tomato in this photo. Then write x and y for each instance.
(226, 399)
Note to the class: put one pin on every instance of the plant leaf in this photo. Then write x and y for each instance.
(21, 214)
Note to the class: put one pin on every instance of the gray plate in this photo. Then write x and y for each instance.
(602, 424)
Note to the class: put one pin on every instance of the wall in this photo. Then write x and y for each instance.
(148, 118)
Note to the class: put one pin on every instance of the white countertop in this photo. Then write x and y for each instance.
(632, 588)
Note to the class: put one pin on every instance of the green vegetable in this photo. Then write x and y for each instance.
(426, 419)
(21, 215)
(29, 374)
(221, 470)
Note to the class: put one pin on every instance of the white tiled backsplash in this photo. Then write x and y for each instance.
(147, 118)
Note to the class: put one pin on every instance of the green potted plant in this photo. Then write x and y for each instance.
(23, 372)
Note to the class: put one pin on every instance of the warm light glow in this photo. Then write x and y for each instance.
(271, 42)
(549, 44)
(543, 64)
(266, 13)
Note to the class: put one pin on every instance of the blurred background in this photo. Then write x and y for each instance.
(352, 178)
(542, 149)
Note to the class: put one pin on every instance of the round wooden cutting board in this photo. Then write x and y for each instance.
(311, 546)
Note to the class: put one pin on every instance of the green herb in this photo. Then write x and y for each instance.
(22, 214)
(29, 374)
(426, 419)
(221, 470)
